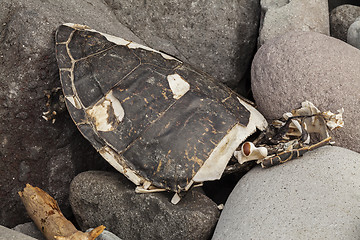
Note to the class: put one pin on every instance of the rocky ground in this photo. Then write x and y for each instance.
(276, 53)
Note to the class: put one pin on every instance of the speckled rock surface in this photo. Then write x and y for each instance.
(109, 198)
(30, 229)
(310, 66)
(32, 150)
(314, 197)
(8, 234)
(280, 17)
(353, 34)
(216, 37)
(341, 18)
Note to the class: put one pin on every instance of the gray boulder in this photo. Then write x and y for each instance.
(340, 20)
(353, 34)
(109, 199)
(280, 17)
(313, 197)
(217, 37)
(310, 66)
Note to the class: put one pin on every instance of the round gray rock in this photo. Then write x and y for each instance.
(341, 18)
(314, 197)
(280, 17)
(310, 66)
(109, 199)
(353, 34)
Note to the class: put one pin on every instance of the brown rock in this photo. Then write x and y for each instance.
(310, 66)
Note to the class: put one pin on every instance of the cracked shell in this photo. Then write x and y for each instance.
(155, 119)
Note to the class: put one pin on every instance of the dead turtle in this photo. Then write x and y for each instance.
(157, 120)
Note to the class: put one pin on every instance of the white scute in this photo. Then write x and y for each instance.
(116, 105)
(74, 101)
(100, 113)
(178, 85)
(215, 165)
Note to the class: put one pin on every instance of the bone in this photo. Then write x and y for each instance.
(249, 152)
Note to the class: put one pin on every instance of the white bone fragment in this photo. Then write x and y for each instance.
(140, 189)
(102, 111)
(175, 199)
(249, 152)
(178, 85)
(333, 120)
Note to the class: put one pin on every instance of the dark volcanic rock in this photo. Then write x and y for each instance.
(109, 198)
(32, 150)
(217, 37)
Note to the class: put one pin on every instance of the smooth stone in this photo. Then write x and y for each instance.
(30, 229)
(280, 17)
(310, 66)
(109, 199)
(340, 20)
(313, 197)
(8, 234)
(353, 34)
(218, 38)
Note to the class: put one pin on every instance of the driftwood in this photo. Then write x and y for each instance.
(46, 214)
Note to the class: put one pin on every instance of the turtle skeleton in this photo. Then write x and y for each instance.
(163, 124)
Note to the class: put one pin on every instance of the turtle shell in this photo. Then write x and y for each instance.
(153, 117)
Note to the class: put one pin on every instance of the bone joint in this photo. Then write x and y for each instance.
(249, 152)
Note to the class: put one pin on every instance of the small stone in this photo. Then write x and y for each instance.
(30, 229)
(340, 20)
(109, 199)
(8, 234)
(353, 34)
(310, 66)
(312, 197)
(280, 17)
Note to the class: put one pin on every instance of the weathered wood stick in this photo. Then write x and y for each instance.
(46, 214)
